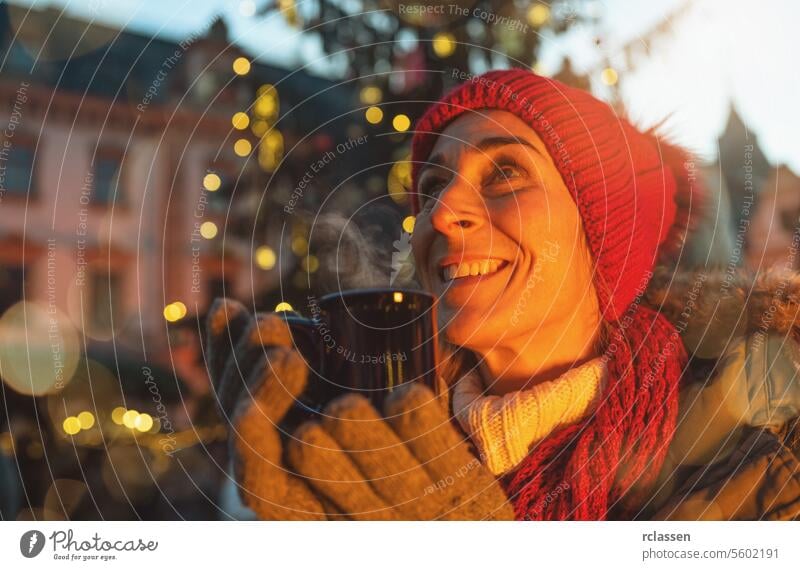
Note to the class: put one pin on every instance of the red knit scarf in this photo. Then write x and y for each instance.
(612, 458)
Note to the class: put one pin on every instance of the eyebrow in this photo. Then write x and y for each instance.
(485, 145)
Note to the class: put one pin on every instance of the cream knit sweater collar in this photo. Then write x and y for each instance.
(503, 428)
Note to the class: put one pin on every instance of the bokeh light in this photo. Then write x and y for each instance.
(242, 147)
(143, 422)
(208, 230)
(538, 14)
(310, 263)
(39, 348)
(175, 311)
(129, 419)
(401, 123)
(241, 66)
(240, 121)
(609, 76)
(86, 420)
(374, 115)
(116, 415)
(444, 44)
(71, 425)
(265, 257)
(371, 95)
(211, 182)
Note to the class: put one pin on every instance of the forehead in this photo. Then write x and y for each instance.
(473, 126)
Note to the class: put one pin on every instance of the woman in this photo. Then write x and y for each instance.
(546, 226)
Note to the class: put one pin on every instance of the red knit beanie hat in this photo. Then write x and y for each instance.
(633, 192)
(634, 195)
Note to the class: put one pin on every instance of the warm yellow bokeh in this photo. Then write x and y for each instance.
(208, 230)
(241, 66)
(211, 182)
(374, 115)
(242, 147)
(240, 121)
(401, 123)
(444, 44)
(265, 257)
(408, 224)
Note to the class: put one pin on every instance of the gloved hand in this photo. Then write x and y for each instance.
(410, 464)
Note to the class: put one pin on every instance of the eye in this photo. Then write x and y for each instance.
(430, 189)
(507, 170)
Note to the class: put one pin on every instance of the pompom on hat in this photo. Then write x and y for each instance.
(635, 193)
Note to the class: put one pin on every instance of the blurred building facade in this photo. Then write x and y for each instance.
(121, 163)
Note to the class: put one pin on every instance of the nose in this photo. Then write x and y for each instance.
(457, 211)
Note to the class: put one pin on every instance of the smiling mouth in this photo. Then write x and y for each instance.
(459, 272)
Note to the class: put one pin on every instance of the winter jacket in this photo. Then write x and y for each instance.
(736, 451)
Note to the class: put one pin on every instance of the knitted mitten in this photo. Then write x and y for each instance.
(409, 464)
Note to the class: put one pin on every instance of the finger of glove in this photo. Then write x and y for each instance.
(266, 486)
(466, 486)
(315, 455)
(226, 322)
(389, 466)
(262, 334)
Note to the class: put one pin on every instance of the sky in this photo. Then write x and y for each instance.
(720, 52)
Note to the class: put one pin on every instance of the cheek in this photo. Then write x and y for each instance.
(552, 234)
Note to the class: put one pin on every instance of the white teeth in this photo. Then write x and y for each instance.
(456, 271)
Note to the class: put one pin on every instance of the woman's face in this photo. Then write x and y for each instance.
(498, 238)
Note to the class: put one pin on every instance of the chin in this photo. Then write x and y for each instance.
(464, 331)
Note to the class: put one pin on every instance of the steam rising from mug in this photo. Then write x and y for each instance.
(352, 258)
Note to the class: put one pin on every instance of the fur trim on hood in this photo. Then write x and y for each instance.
(711, 308)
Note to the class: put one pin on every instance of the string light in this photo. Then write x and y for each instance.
(259, 127)
(116, 415)
(374, 115)
(208, 230)
(265, 257)
(211, 182)
(609, 76)
(399, 181)
(267, 103)
(71, 425)
(299, 245)
(240, 121)
(242, 147)
(86, 420)
(310, 263)
(401, 123)
(143, 422)
(129, 418)
(538, 15)
(444, 44)
(175, 311)
(371, 95)
(241, 66)
(271, 150)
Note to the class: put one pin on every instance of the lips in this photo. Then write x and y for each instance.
(463, 269)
